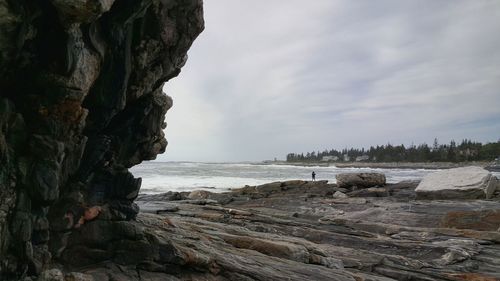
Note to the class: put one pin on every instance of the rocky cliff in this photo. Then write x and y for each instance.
(81, 101)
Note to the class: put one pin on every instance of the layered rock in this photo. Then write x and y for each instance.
(81, 101)
(485, 220)
(298, 231)
(459, 183)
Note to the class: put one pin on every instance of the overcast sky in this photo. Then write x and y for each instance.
(269, 77)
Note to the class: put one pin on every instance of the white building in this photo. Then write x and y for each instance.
(362, 158)
(329, 158)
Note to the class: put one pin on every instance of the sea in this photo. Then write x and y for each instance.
(158, 177)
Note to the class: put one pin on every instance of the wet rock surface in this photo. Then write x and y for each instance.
(81, 101)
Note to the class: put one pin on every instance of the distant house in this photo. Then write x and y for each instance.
(329, 158)
(362, 158)
(346, 157)
(468, 152)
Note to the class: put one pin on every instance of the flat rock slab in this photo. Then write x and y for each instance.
(459, 183)
(364, 180)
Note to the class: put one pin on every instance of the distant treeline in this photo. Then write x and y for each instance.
(467, 150)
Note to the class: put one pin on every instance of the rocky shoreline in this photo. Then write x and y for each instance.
(411, 165)
(386, 165)
(296, 230)
(81, 102)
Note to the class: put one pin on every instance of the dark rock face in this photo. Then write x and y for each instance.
(80, 102)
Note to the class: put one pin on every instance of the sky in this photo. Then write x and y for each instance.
(270, 77)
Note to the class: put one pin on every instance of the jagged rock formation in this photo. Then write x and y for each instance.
(80, 102)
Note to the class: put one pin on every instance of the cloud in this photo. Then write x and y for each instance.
(265, 78)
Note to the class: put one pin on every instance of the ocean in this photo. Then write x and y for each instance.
(158, 177)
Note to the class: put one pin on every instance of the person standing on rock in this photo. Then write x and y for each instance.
(313, 176)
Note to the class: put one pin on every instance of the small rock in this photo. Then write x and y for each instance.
(51, 275)
(239, 212)
(343, 190)
(339, 194)
(199, 194)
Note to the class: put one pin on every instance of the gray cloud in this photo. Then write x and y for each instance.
(267, 78)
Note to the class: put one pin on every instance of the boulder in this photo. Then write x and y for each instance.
(339, 194)
(199, 194)
(363, 180)
(460, 183)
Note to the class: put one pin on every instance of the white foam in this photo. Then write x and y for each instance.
(218, 177)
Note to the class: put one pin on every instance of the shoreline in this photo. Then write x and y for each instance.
(317, 231)
(385, 165)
